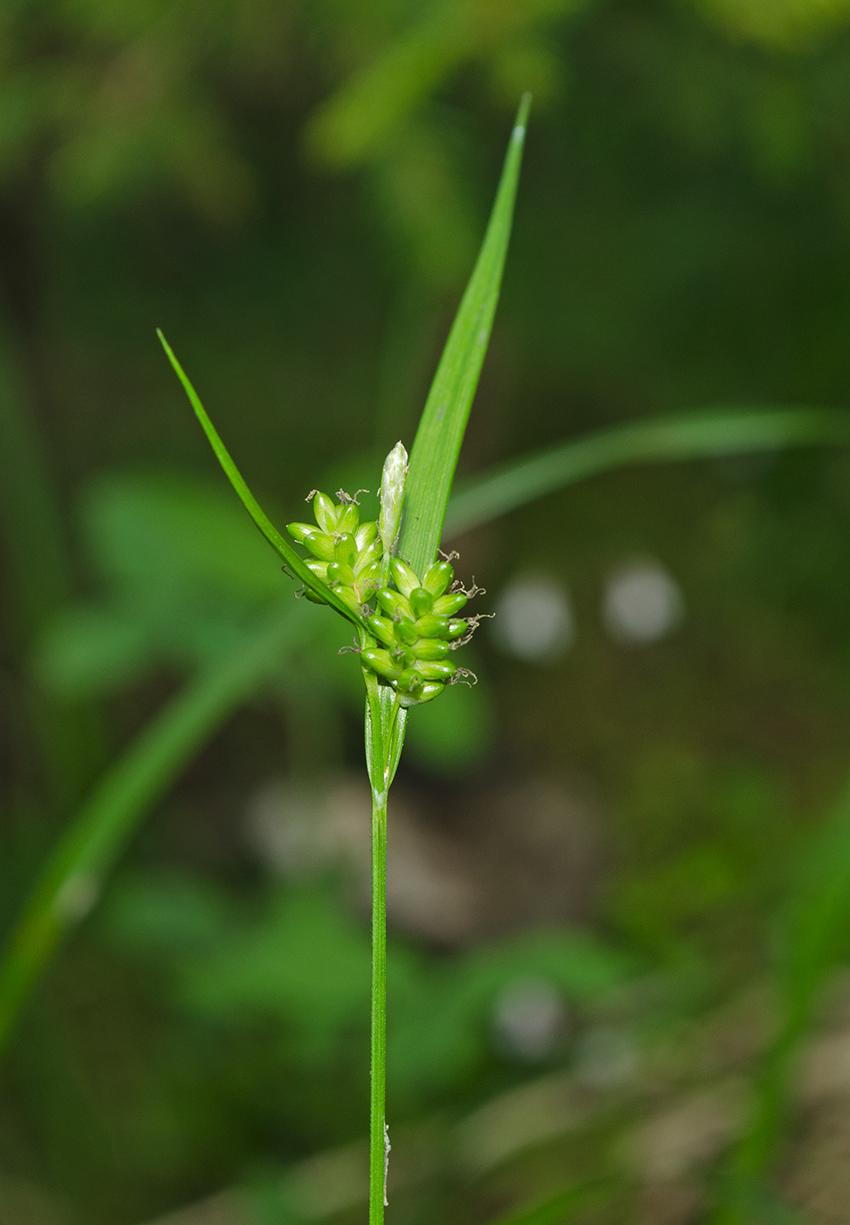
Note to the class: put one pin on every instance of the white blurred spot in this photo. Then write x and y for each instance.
(534, 619)
(530, 1018)
(605, 1057)
(642, 603)
(299, 831)
(76, 897)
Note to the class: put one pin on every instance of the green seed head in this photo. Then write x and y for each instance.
(416, 627)
(392, 495)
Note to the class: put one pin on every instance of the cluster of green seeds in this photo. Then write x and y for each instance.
(416, 627)
(417, 632)
(346, 553)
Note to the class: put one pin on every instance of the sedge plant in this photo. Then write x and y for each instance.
(388, 579)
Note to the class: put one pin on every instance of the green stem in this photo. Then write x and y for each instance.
(378, 1140)
(385, 726)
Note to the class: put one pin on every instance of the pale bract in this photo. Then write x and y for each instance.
(392, 496)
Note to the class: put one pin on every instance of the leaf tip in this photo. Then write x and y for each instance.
(521, 120)
(168, 350)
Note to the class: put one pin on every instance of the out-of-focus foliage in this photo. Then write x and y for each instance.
(184, 570)
(786, 24)
(302, 964)
(295, 193)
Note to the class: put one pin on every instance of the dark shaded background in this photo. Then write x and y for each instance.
(587, 850)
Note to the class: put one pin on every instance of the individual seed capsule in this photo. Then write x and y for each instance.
(326, 512)
(319, 543)
(456, 628)
(391, 601)
(349, 598)
(447, 605)
(433, 627)
(405, 630)
(438, 578)
(403, 655)
(403, 576)
(382, 628)
(409, 681)
(421, 601)
(337, 573)
(380, 661)
(367, 580)
(365, 535)
(300, 531)
(348, 518)
(434, 670)
(319, 568)
(431, 648)
(367, 556)
(426, 692)
(345, 550)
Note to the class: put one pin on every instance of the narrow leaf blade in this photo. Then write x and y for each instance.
(435, 450)
(698, 435)
(72, 877)
(278, 542)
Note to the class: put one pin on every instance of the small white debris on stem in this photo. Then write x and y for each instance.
(387, 1147)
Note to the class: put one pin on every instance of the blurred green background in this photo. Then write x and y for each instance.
(591, 851)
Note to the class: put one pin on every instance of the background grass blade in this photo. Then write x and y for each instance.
(812, 937)
(714, 432)
(433, 458)
(278, 542)
(557, 1210)
(74, 875)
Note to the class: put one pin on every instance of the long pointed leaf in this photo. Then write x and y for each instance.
(435, 450)
(278, 542)
(698, 435)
